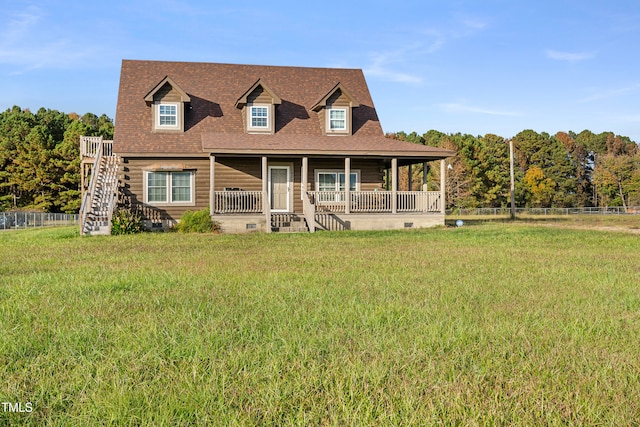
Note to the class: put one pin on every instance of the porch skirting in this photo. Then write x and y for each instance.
(241, 223)
(250, 223)
(374, 221)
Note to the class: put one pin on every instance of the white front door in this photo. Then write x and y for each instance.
(279, 188)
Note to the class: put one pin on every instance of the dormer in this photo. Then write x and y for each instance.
(335, 111)
(167, 102)
(258, 108)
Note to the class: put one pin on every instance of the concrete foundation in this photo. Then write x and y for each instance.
(234, 224)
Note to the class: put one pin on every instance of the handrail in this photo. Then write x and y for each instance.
(112, 199)
(92, 187)
(309, 210)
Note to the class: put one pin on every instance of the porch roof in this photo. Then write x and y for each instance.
(313, 145)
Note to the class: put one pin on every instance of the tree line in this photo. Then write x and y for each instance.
(40, 165)
(567, 169)
(40, 157)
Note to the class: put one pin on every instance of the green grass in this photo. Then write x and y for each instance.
(491, 324)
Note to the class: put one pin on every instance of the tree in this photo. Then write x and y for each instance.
(539, 186)
(40, 160)
(618, 179)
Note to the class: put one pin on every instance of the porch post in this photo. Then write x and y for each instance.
(410, 176)
(212, 175)
(425, 172)
(266, 203)
(443, 181)
(303, 177)
(394, 185)
(347, 185)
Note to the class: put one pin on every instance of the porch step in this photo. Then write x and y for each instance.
(288, 223)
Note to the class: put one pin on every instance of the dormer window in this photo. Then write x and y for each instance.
(258, 105)
(259, 116)
(167, 102)
(168, 116)
(337, 119)
(335, 111)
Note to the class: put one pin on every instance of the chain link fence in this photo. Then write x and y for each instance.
(20, 220)
(614, 210)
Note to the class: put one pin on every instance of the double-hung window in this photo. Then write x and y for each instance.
(168, 116)
(331, 185)
(259, 117)
(337, 119)
(169, 187)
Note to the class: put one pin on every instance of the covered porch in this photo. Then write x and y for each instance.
(315, 193)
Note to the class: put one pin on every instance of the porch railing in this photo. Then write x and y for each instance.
(376, 201)
(240, 202)
(234, 202)
(90, 145)
(418, 201)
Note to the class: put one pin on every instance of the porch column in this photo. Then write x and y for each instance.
(347, 185)
(394, 185)
(425, 172)
(303, 177)
(212, 175)
(410, 176)
(443, 181)
(266, 203)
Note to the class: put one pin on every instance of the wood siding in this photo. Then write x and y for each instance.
(133, 172)
(167, 94)
(246, 173)
(243, 173)
(259, 96)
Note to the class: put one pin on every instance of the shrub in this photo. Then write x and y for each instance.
(197, 222)
(124, 221)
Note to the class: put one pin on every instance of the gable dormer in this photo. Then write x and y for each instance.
(167, 102)
(258, 108)
(335, 111)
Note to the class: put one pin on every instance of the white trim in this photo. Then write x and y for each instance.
(289, 168)
(165, 104)
(346, 120)
(317, 173)
(337, 172)
(250, 126)
(169, 186)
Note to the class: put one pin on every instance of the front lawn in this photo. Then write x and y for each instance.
(486, 324)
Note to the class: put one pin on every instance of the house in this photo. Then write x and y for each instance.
(267, 148)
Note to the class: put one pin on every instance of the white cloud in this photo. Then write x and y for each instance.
(388, 67)
(392, 64)
(455, 107)
(612, 93)
(474, 24)
(569, 56)
(25, 45)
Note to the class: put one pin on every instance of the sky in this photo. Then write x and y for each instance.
(468, 66)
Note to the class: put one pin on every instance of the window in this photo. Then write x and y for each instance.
(170, 187)
(337, 119)
(332, 184)
(260, 117)
(167, 115)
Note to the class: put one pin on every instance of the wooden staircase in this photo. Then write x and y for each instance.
(100, 195)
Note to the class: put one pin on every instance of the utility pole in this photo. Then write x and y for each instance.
(513, 183)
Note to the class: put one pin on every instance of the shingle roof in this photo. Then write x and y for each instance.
(214, 124)
(278, 144)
